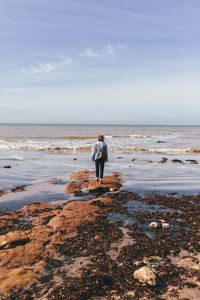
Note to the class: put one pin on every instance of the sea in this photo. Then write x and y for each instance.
(41, 157)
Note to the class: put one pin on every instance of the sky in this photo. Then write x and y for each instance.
(100, 61)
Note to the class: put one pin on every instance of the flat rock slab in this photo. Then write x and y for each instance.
(81, 175)
(110, 183)
(24, 253)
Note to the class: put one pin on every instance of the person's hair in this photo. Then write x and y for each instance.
(100, 138)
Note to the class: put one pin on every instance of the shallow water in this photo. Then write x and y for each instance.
(37, 153)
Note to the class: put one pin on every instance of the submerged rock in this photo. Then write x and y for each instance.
(145, 275)
(177, 161)
(160, 142)
(192, 161)
(163, 160)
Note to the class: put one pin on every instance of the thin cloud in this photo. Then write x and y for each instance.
(107, 51)
(48, 67)
(91, 53)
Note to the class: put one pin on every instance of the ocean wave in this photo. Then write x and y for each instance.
(157, 150)
(13, 158)
(81, 147)
(68, 137)
(26, 138)
(139, 136)
(50, 148)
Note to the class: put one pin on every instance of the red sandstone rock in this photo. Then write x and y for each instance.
(44, 218)
(110, 183)
(15, 277)
(81, 175)
(35, 208)
(8, 220)
(24, 248)
(23, 253)
(75, 187)
(73, 215)
(11, 238)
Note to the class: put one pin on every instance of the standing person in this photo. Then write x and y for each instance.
(100, 156)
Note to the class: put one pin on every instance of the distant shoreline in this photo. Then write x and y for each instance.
(99, 124)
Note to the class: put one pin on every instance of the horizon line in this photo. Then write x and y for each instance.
(99, 124)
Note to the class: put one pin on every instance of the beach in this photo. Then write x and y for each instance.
(114, 245)
(64, 236)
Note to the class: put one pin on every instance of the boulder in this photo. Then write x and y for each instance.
(145, 275)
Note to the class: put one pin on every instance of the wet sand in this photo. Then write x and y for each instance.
(96, 253)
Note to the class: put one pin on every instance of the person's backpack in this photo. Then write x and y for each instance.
(102, 153)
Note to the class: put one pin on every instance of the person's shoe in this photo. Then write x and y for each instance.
(97, 179)
(101, 180)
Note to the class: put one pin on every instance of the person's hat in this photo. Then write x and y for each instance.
(100, 138)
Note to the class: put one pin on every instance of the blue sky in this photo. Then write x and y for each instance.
(108, 61)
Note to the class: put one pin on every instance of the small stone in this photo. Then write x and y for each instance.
(130, 294)
(145, 275)
(7, 167)
(160, 142)
(153, 224)
(165, 225)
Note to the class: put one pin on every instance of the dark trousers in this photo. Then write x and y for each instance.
(99, 163)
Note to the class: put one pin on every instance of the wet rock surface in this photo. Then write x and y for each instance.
(177, 161)
(91, 249)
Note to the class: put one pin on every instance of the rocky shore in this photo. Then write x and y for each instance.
(107, 244)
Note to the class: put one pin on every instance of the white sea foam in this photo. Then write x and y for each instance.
(47, 154)
(83, 146)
